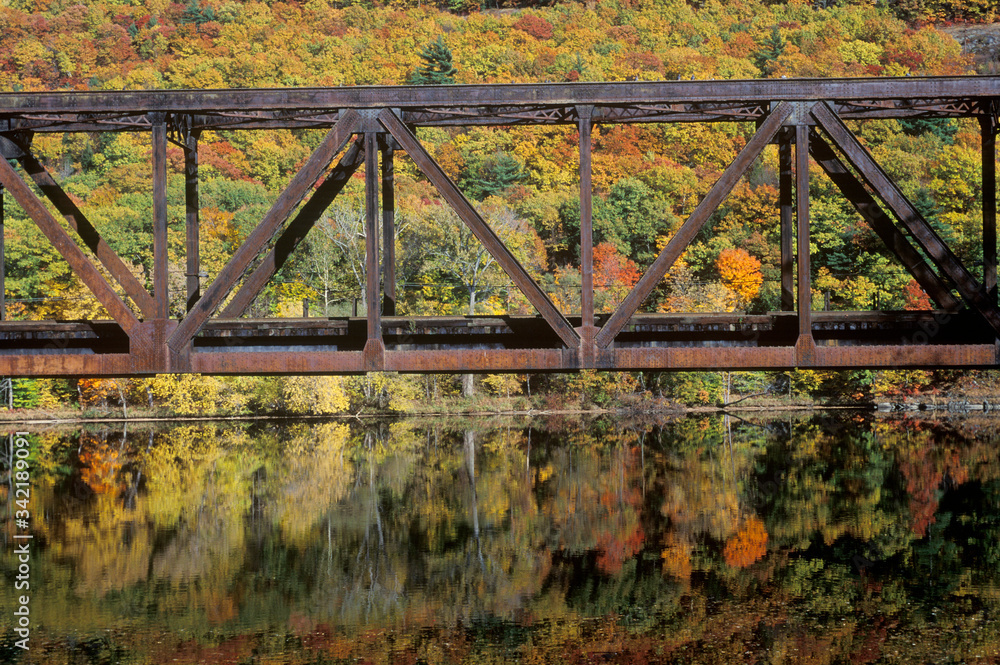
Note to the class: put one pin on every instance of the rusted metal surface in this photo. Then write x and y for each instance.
(160, 259)
(805, 345)
(586, 218)
(192, 240)
(388, 229)
(374, 350)
(379, 122)
(786, 212)
(989, 161)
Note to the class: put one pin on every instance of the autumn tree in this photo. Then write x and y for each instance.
(614, 276)
(740, 273)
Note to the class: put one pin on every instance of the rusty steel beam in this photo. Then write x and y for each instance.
(586, 218)
(935, 248)
(636, 112)
(805, 346)
(964, 356)
(864, 90)
(388, 229)
(3, 264)
(74, 256)
(296, 190)
(160, 261)
(522, 280)
(295, 232)
(689, 230)
(989, 159)
(192, 224)
(882, 225)
(91, 236)
(374, 351)
(786, 219)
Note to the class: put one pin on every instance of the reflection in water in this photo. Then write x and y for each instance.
(830, 539)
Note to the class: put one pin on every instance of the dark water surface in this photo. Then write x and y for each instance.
(833, 539)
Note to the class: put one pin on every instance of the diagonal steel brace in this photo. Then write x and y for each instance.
(69, 250)
(883, 226)
(295, 232)
(689, 230)
(297, 189)
(90, 235)
(880, 183)
(494, 245)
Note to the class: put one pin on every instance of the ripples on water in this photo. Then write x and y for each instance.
(832, 539)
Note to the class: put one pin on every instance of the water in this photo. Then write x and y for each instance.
(833, 539)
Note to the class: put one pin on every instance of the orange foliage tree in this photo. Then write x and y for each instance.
(614, 275)
(740, 273)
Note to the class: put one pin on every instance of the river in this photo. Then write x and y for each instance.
(834, 538)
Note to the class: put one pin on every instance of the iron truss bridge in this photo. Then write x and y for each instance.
(366, 126)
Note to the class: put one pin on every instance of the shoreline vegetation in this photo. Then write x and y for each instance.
(193, 398)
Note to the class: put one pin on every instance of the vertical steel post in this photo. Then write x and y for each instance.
(584, 114)
(786, 204)
(374, 346)
(3, 264)
(989, 126)
(388, 229)
(191, 219)
(805, 344)
(160, 291)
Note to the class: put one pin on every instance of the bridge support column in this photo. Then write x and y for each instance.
(584, 114)
(191, 218)
(588, 331)
(786, 206)
(989, 127)
(805, 346)
(161, 295)
(388, 227)
(374, 352)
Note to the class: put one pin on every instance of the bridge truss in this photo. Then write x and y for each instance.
(368, 126)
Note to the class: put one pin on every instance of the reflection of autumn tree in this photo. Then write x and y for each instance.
(247, 542)
(746, 545)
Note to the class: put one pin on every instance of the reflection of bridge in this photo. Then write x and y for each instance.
(804, 117)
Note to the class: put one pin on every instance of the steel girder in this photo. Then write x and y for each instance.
(805, 117)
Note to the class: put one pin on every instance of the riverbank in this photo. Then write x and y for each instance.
(457, 407)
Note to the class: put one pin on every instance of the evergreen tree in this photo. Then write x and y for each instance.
(437, 68)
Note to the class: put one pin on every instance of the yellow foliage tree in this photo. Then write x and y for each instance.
(315, 394)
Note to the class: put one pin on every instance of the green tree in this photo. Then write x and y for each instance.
(437, 68)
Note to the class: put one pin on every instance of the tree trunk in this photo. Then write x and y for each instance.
(468, 385)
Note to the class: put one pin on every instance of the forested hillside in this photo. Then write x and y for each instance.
(647, 178)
